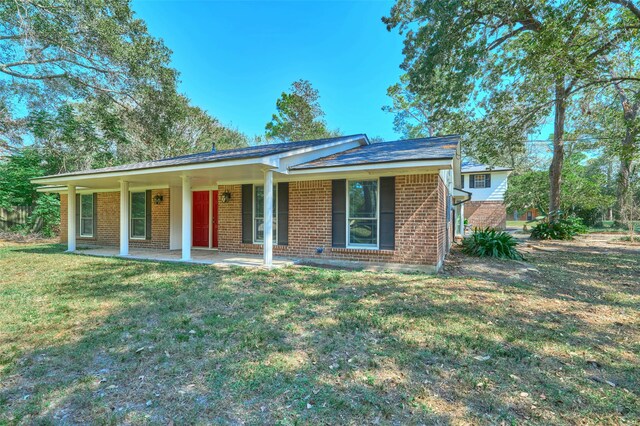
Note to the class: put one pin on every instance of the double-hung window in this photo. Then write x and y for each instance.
(362, 207)
(86, 215)
(258, 214)
(480, 181)
(138, 215)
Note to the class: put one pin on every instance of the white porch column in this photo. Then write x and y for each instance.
(124, 218)
(71, 218)
(268, 218)
(187, 199)
(462, 219)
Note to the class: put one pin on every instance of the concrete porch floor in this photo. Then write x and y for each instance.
(200, 256)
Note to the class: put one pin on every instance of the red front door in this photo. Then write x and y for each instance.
(214, 205)
(201, 219)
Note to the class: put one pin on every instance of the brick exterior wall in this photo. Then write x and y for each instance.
(421, 234)
(443, 239)
(482, 214)
(108, 225)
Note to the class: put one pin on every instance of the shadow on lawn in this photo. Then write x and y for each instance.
(192, 343)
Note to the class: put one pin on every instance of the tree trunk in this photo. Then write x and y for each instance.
(623, 176)
(627, 154)
(555, 170)
(628, 149)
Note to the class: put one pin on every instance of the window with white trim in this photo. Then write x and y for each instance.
(258, 214)
(139, 215)
(362, 216)
(480, 181)
(86, 215)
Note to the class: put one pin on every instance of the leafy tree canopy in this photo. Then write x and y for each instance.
(85, 85)
(510, 64)
(419, 114)
(299, 115)
(15, 172)
(53, 51)
(583, 186)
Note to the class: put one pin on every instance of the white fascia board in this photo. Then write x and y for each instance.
(266, 161)
(479, 172)
(440, 164)
(84, 190)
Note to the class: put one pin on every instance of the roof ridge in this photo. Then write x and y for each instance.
(255, 151)
(272, 145)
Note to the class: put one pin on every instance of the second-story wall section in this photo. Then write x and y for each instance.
(486, 186)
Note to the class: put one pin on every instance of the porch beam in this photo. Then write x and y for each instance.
(71, 218)
(187, 199)
(124, 218)
(268, 218)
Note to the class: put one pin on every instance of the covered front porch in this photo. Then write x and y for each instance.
(199, 256)
(181, 214)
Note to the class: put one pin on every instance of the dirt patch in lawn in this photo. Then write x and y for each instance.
(459, 264)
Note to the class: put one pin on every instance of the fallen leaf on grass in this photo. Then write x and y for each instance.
(482, 358)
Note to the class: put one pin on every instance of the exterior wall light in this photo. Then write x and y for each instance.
(158, 199)
(226, 197)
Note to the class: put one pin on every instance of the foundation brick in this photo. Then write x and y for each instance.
(483, 214)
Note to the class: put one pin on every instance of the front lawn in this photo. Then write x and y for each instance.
(521, 223)
(98, 340)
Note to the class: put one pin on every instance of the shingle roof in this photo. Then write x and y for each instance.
(223, 155)
(471, 167)
(436, 148)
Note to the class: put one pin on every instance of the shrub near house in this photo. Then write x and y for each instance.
(490, 242)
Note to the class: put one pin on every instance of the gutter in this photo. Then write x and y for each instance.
(463, 201)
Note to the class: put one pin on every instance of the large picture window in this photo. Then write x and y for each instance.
(362, 206)
(258, 214)
(86, 215)
(138, 215)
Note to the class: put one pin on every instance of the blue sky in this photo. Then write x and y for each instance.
(237, 57)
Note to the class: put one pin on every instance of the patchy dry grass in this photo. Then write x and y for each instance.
(98, 340)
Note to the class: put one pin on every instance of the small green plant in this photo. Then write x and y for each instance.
(563, 229)
(575, 224)
(490, 242)
(46, 215)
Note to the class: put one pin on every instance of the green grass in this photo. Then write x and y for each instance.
(521, 223)
(99, 340)
(611, 226)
